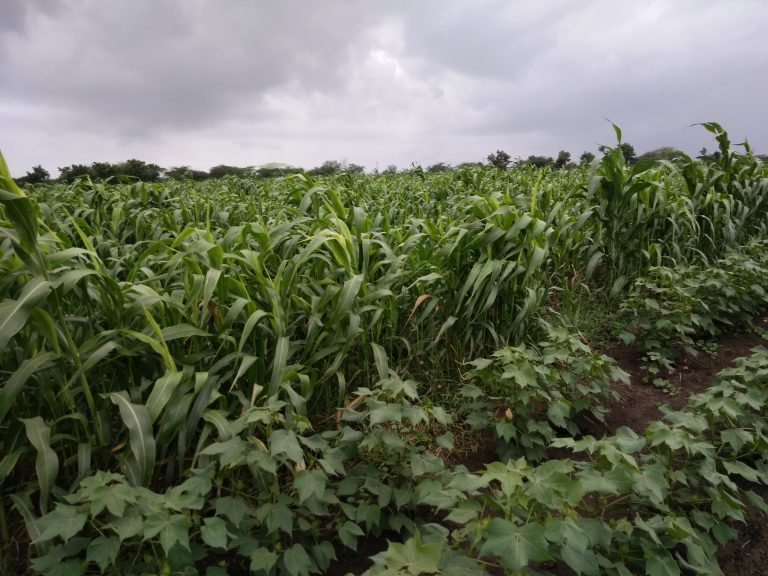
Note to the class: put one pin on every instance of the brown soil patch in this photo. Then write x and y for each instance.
(639, 403)
(356, 562)
(473, 450)
(638, 406)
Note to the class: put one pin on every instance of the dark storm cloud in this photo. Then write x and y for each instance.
(140, 66)
(14, 13)
(204, 82)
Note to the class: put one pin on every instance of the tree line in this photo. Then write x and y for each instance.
(134, 169)
(147, 172)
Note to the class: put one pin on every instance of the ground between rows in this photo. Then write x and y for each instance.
(637, 406)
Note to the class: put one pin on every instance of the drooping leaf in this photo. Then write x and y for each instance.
(309, 483)
(47, 462)
(103, 551)
(214, 533)
(24, 506)
(161, 393)
(297, 561)
(231, 507)
(19, 209)
(412, 557)
(14, 313)
(182, 331)
(285, 442)
(15, 384)
(170, 529)
(262, 560)
(136, 418)
(661, 563)
(63, 522)
(349, 533)
(380, 358)
(278, 363)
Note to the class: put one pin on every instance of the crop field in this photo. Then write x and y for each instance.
(288, 376)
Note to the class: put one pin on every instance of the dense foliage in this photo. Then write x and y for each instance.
(250, 374)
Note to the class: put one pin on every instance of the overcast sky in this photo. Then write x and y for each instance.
(204, 82)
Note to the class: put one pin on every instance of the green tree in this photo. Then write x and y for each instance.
(139, 169)
(186, 173)
(390, 169)
(706, 156)
(222, 170)
(327, 168)
(627, 150)
(439, 167)
(563, 158)
(355, 169)
(586, 158)
(103, 170)
(500, 159)
(38, 175)
(177, 172)
(539, 161)
(73, 172)
(469, 165)
(276, 170)
(664, 153)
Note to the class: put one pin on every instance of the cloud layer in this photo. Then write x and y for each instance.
(200, 83)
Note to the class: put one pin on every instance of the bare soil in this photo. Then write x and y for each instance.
(350, 562)
(638, 404)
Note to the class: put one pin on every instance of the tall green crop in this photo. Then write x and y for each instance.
(138, 321)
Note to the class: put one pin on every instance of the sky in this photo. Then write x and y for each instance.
(202, 82)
